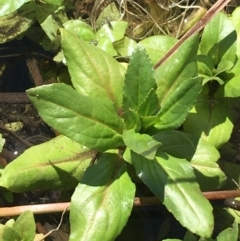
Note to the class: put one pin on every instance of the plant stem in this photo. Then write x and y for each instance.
(139, 201)
(217, 7)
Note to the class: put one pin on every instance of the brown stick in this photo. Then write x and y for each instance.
(217, 7)
(14, 98)
(139, 201)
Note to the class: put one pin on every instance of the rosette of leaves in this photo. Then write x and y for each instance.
(120, 117)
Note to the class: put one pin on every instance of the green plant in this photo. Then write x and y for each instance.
(114, 117)
(105, 114)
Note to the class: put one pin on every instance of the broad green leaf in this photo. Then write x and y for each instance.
(190, 237)
(139, 81)
(229, 234)
(205, 65)
(91, 121)
(95, 73)
(210, 121)
(132, 120)
(16, 23)
(232, 88)
(8, 234)
(223, 66)
(235, 19)
(51, 18)
(142, 144)
(103, 200)
(150, 105)
(219, 39)
(80, 29)
(178, 69)
(172, 239)
(9, 6)
(173, 181)
(206, 239)
(2, 142)
(109, 13)
(106, 45)
(114, 31)
(54, 2)
(25, 226)
(125, 48)
(157, 46)
(175, 108)
(58, 163)
(202, 155)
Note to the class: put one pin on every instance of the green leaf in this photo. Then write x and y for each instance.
(190, 237)
(25, 226)
(205, 65)
(8, 234)
(2, 142)
(150, 104)
(172, 239)
(10, 6)
(61, 166)
(139, 81)
(54, 2)
(224, 65)
(229, 233)
(114, 31)
(175, 108)
(180, 67)
(16, 23)
(80, 29)
(94, 74)
(210, 121)
(102, 202)
(142, 144)
(219, 39)
(235, 19)
(157, 46)
(109, 13)
(106, 45)
(125, 48)
(88, 120)
(194, 149)
(173, 181)
(232, 88)
(51, 18)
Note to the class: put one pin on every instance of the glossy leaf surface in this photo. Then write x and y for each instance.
(157, 46)
(180, 67)
(142, 144)
(25, 226)
(102, 202)
(175, 108)
(17, 22)
(10, 6)
(229, 233)
(90, 121)
(114, 31)
(139, 84)
(173, 181)
(95, 73)
(50, 21)
(23, 229)
(202, 155)
(219, 39)
(210, 121)
(61, 166)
